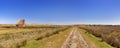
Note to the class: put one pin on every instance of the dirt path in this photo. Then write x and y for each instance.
(75, 40)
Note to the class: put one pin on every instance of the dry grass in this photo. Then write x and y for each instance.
(93, 41)
(108, 33)
(16, 38)
(55, 41)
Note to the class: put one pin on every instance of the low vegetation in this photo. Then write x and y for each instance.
(93, 41)
(54, 41)
(53, 36)
(107, 33)
(18, 38)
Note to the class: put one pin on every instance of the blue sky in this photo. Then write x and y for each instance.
(60, 11)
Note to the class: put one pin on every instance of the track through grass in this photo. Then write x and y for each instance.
(54, 41)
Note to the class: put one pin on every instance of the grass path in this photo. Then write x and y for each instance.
(93, 41)
(54, 41)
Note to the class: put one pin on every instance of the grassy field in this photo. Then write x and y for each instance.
(108, 33)
(54, 41)
(47, 36)
(18, 37)
(6, 31)
(93, 41)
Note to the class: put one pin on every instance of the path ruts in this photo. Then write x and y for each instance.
(75, 40)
